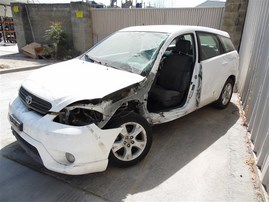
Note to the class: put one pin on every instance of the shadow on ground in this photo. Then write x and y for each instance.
(16, 56)
(175, 144)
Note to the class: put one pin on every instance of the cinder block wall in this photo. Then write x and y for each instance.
(81, 21)
(31, 21)
(234, 18)
(42, 15)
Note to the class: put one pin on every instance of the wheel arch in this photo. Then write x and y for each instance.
(131, 106)
(232, 77)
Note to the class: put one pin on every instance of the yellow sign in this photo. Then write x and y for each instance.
(15, 9)
(79, 14)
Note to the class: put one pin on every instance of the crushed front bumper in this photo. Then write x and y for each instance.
(89, 145)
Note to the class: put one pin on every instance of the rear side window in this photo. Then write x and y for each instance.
(227, 44)
(209, 45)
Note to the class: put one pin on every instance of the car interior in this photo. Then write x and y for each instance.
(171, 85)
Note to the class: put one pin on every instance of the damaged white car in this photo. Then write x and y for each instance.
(76, 116)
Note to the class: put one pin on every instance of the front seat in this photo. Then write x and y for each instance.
(174, 78)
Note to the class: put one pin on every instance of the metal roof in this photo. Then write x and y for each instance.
(210, 3)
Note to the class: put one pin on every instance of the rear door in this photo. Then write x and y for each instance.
(213, 67)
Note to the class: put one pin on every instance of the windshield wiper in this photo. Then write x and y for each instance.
(109, 65)
(121, 66)
(93, 60)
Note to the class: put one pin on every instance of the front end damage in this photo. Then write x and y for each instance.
(100, 111)
(72, 141)
(63, 148)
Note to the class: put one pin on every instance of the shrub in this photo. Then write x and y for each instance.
(56, 39)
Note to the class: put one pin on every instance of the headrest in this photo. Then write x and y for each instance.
(183, 46)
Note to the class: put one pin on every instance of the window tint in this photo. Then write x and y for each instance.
(209, 46)
(227, 44)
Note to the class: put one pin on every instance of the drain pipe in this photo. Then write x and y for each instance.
(33, 36)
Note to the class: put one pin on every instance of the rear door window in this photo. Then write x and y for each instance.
(209, 45)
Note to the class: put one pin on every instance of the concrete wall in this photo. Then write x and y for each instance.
(31, 21)
(233, 19)
(81, 21)
(42, 15)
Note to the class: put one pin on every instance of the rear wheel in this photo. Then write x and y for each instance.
(134, 141)
(226, 95)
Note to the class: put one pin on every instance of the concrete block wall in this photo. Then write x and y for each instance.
(21, 26)
(234, 18)
(31, 21)
(42, 15)
(81, 21)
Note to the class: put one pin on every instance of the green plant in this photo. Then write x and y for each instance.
(56, 38)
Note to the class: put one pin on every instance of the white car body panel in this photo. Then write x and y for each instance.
(99, 80)
(212, 83)
(89, 144)
(69, 82)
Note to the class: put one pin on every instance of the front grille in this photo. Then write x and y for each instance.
(33, 102)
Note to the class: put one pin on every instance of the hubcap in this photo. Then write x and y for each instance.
(227, 93)
(131, 142)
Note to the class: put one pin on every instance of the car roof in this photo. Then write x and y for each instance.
(174, 28)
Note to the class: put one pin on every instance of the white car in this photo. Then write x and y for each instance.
(77, 115)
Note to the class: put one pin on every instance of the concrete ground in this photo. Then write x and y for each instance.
(200, 157)
(11, 60)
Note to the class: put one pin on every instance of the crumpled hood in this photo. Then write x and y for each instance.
(67, 82)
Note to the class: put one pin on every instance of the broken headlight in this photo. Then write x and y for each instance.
(77, 116)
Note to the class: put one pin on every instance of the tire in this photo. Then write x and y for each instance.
(133, 143)
(226, 95)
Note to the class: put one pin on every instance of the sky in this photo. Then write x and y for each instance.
(156, 3)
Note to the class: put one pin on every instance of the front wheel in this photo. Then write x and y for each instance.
(134, 141)
(226, 95)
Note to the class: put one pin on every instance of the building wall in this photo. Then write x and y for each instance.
(254, 80)
(85, 26)
(42, 15)
(32, 20)
(233, 20)
(5, 11)
(107, 21)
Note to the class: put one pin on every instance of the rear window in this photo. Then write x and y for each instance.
(227, 44)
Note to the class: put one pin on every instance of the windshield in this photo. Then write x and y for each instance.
(130, 51)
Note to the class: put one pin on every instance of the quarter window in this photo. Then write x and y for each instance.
(209, 46)
(227, 44)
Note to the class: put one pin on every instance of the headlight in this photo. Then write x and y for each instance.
(78, 116)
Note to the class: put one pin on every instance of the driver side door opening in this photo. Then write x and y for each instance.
(172, 82)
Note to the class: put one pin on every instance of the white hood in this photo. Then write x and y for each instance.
(75, 80)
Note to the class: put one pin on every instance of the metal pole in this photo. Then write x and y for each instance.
(33, 36)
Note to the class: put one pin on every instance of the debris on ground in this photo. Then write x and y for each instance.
(3, 66)
(33, 50)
